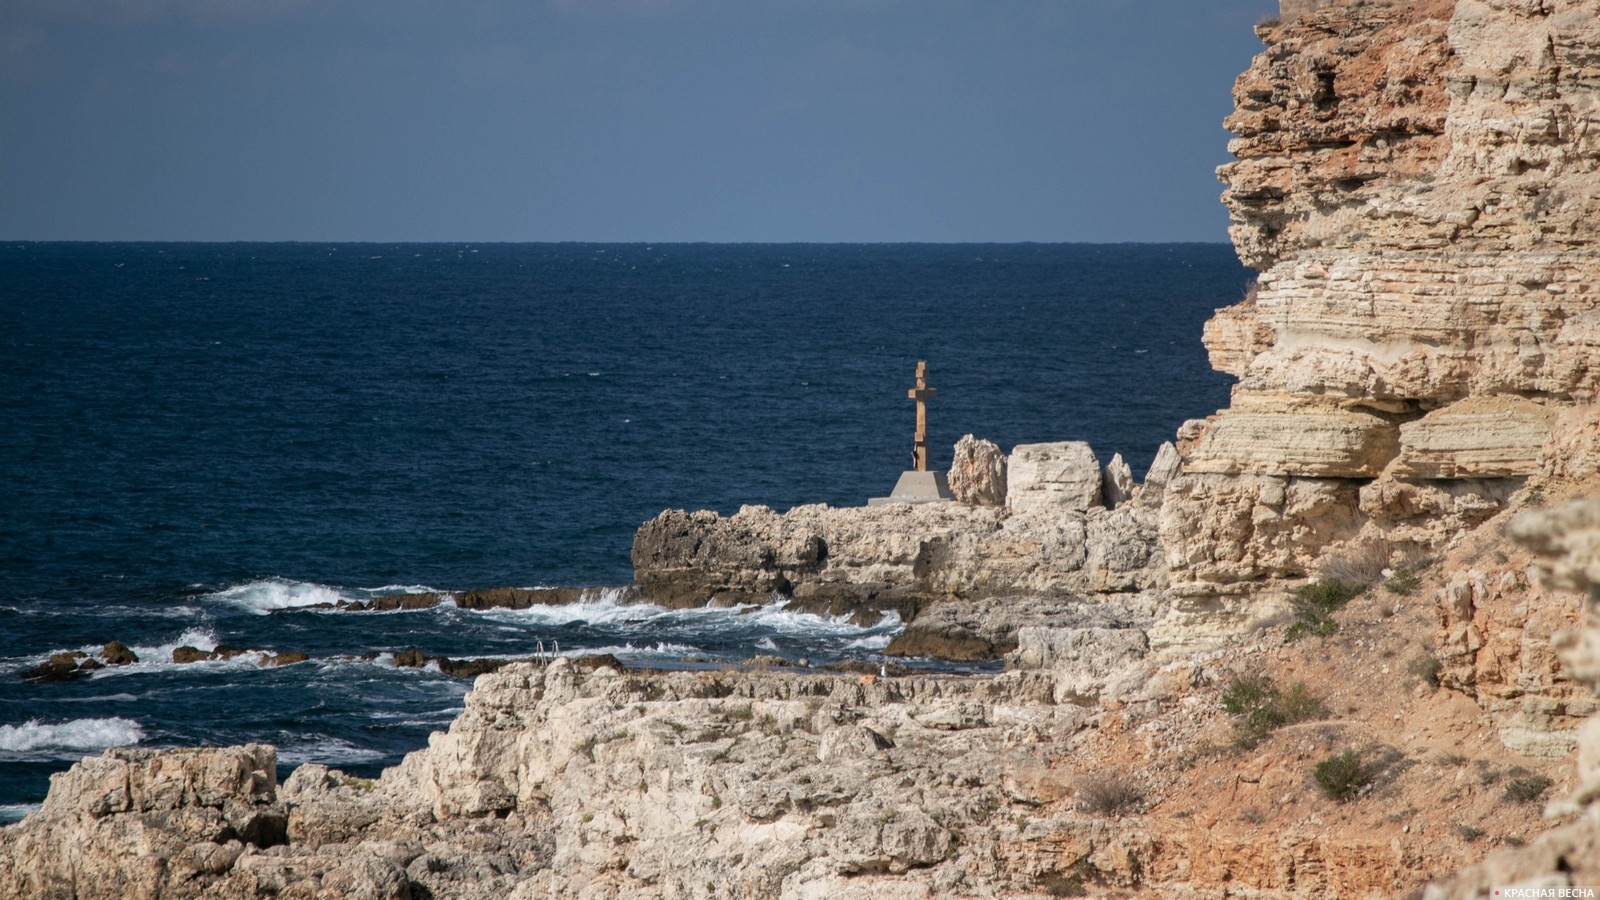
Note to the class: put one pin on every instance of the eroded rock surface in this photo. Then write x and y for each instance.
(1060, 542)
(1417, 183)
(978, 472)
(1567, 541)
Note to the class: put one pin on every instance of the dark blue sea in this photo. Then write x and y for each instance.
(198, 442)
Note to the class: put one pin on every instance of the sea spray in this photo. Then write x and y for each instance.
(36, 739)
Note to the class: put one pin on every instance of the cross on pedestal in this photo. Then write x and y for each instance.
(922, 394)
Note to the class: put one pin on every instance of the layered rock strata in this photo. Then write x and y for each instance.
(1417, 184)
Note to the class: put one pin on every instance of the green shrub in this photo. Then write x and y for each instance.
(1314, 604)
(1264, 708)
(1402, 581)
(1342, 776)
(1247, 692)
(1298, 704)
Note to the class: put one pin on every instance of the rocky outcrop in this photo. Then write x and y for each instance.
(1116, 482)
(1059, 476)
(867, 561)
(1246, 528)
(1567, 541)
(116, 653)
(995, 627)
(1164, 469)
(1493, 642)
(1053, 540)
(861, 561)
(143, 823)
(1416, 183)
(978, 472)
(555, 782)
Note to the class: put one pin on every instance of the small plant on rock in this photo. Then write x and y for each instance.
(1265, 708)
(1526, 789)
(1358, 567)
(1402, 581)
(1315, 603)
(1342, 776)
(1426, 669)
(1107, 794)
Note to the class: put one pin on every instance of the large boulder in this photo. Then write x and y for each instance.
(978, 472)
(1116, 482)
(1061, 476)
(147, 823)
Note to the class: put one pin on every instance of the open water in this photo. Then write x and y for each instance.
(199, 441)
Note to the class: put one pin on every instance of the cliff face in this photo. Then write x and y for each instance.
(1567, 543)
(1417, 183)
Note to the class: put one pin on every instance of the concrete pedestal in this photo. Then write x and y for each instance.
(917, 487)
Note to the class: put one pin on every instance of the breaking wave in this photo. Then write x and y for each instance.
(13, 812)
(52, 740)
(263, 597)
(277, 594)
(327, 751)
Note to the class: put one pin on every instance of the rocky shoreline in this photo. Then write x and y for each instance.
(1341, 641)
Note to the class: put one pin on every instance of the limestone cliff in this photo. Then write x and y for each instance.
(1417, 183)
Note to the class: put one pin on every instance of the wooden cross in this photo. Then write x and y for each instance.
(922, 394)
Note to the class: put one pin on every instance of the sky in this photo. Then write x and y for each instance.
(618, 120)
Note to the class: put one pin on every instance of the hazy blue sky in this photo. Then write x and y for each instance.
(618, 120)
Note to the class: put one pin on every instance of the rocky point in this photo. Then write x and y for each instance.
(1341, 641)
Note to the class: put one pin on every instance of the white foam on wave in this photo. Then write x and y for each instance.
(198, 638)
(158, 657)
(328, 752)
(389, 589)
(273, 594)
(413, 717)
(875, 642)
(606, 609)
(14, 812)
(106, 698)
(777, 617)
(630, 651)
(171, 612)
(602, 611)
(51, 740)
